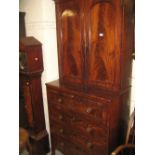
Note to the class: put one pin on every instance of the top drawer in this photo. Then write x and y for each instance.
(81, 105)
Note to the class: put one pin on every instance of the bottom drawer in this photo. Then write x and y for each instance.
(66, 147)
(91, 147)
(71, 148)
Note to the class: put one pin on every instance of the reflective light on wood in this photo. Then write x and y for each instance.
(68, 13)
(101, 34)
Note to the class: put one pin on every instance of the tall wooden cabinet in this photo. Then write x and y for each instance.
(30, 71)
(88, 104)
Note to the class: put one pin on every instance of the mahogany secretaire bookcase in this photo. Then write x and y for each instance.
(88, 104)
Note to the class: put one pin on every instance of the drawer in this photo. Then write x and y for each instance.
(66, 147)
(92, 131)
(72, 147)
(91, 147)
(90, 108)
(77, 120)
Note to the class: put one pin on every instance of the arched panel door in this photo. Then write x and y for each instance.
(71, 55)
(102, 53)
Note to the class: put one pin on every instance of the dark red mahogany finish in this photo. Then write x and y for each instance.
(88, 104)
(31, 68)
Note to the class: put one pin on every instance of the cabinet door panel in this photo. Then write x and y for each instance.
(102, 55)
(70, 46)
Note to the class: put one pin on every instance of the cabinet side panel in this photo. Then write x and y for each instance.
(115, 124)
(127, 43)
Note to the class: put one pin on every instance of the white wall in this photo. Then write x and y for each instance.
(132, 102)
(40, 23)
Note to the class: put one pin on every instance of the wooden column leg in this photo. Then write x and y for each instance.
(29, 148)
(53, 149)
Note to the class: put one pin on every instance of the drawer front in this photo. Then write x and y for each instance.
(66, 147)
(88, 146)
(73, 148)
(72, 116)
(89, 108)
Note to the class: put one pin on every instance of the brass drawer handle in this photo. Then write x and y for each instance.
(73, 119)
(36, 59)
(89, 129)
(72, 96)
(89, 145)
(89, 110)
(60, 117)
(60, 100)
(25, 106)
(27, 83)
(61, 130)
(61, 144)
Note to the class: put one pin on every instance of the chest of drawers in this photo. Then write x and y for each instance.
(80, 124)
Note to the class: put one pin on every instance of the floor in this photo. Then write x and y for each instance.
(25, 153)
(57, 153)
